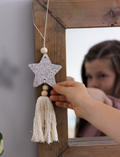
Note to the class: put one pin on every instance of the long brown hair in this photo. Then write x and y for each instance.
(109, 49)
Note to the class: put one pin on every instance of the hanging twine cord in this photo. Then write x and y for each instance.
(43, 36)
(44, 124)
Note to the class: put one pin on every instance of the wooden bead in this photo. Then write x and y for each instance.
(44, 50)
(44, 93)
(45, 87)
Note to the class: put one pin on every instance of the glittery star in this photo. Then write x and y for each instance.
(44, 71)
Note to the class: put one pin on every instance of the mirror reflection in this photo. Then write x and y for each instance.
(78, 43)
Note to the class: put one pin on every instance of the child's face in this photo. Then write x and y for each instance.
(100, 75)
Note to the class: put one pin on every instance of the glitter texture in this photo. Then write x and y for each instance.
(44, 71)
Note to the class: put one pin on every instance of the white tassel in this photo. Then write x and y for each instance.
(44, 126)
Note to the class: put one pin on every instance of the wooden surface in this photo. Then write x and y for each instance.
(72, 14)
(92, 147)
(55, 42)
(85, 13)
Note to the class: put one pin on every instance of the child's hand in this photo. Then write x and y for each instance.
(73, 95)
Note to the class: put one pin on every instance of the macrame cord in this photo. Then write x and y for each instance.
(44, 123)
(44, 37)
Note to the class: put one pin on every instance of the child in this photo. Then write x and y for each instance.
(101, 69)
(75, 96)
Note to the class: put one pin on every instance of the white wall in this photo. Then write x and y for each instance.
(78, 42)
(17, 95)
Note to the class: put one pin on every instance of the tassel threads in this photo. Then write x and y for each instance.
(44, 126)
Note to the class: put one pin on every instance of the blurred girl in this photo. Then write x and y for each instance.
(101, 70)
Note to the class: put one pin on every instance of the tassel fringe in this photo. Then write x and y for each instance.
(44, 125)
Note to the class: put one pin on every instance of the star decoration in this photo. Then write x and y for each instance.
(44, 71)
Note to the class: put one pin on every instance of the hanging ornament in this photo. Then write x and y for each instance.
(44, 124)
(44, 71)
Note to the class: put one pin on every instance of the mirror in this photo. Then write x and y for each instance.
(78, 42)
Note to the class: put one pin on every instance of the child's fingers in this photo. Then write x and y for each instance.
(53, 92)
(59, 89)
(57, 98)
(61, 86)
(66, 84)
(64, 104)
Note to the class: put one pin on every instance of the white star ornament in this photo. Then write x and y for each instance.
(44, 71)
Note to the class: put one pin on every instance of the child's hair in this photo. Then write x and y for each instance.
(109, 49)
